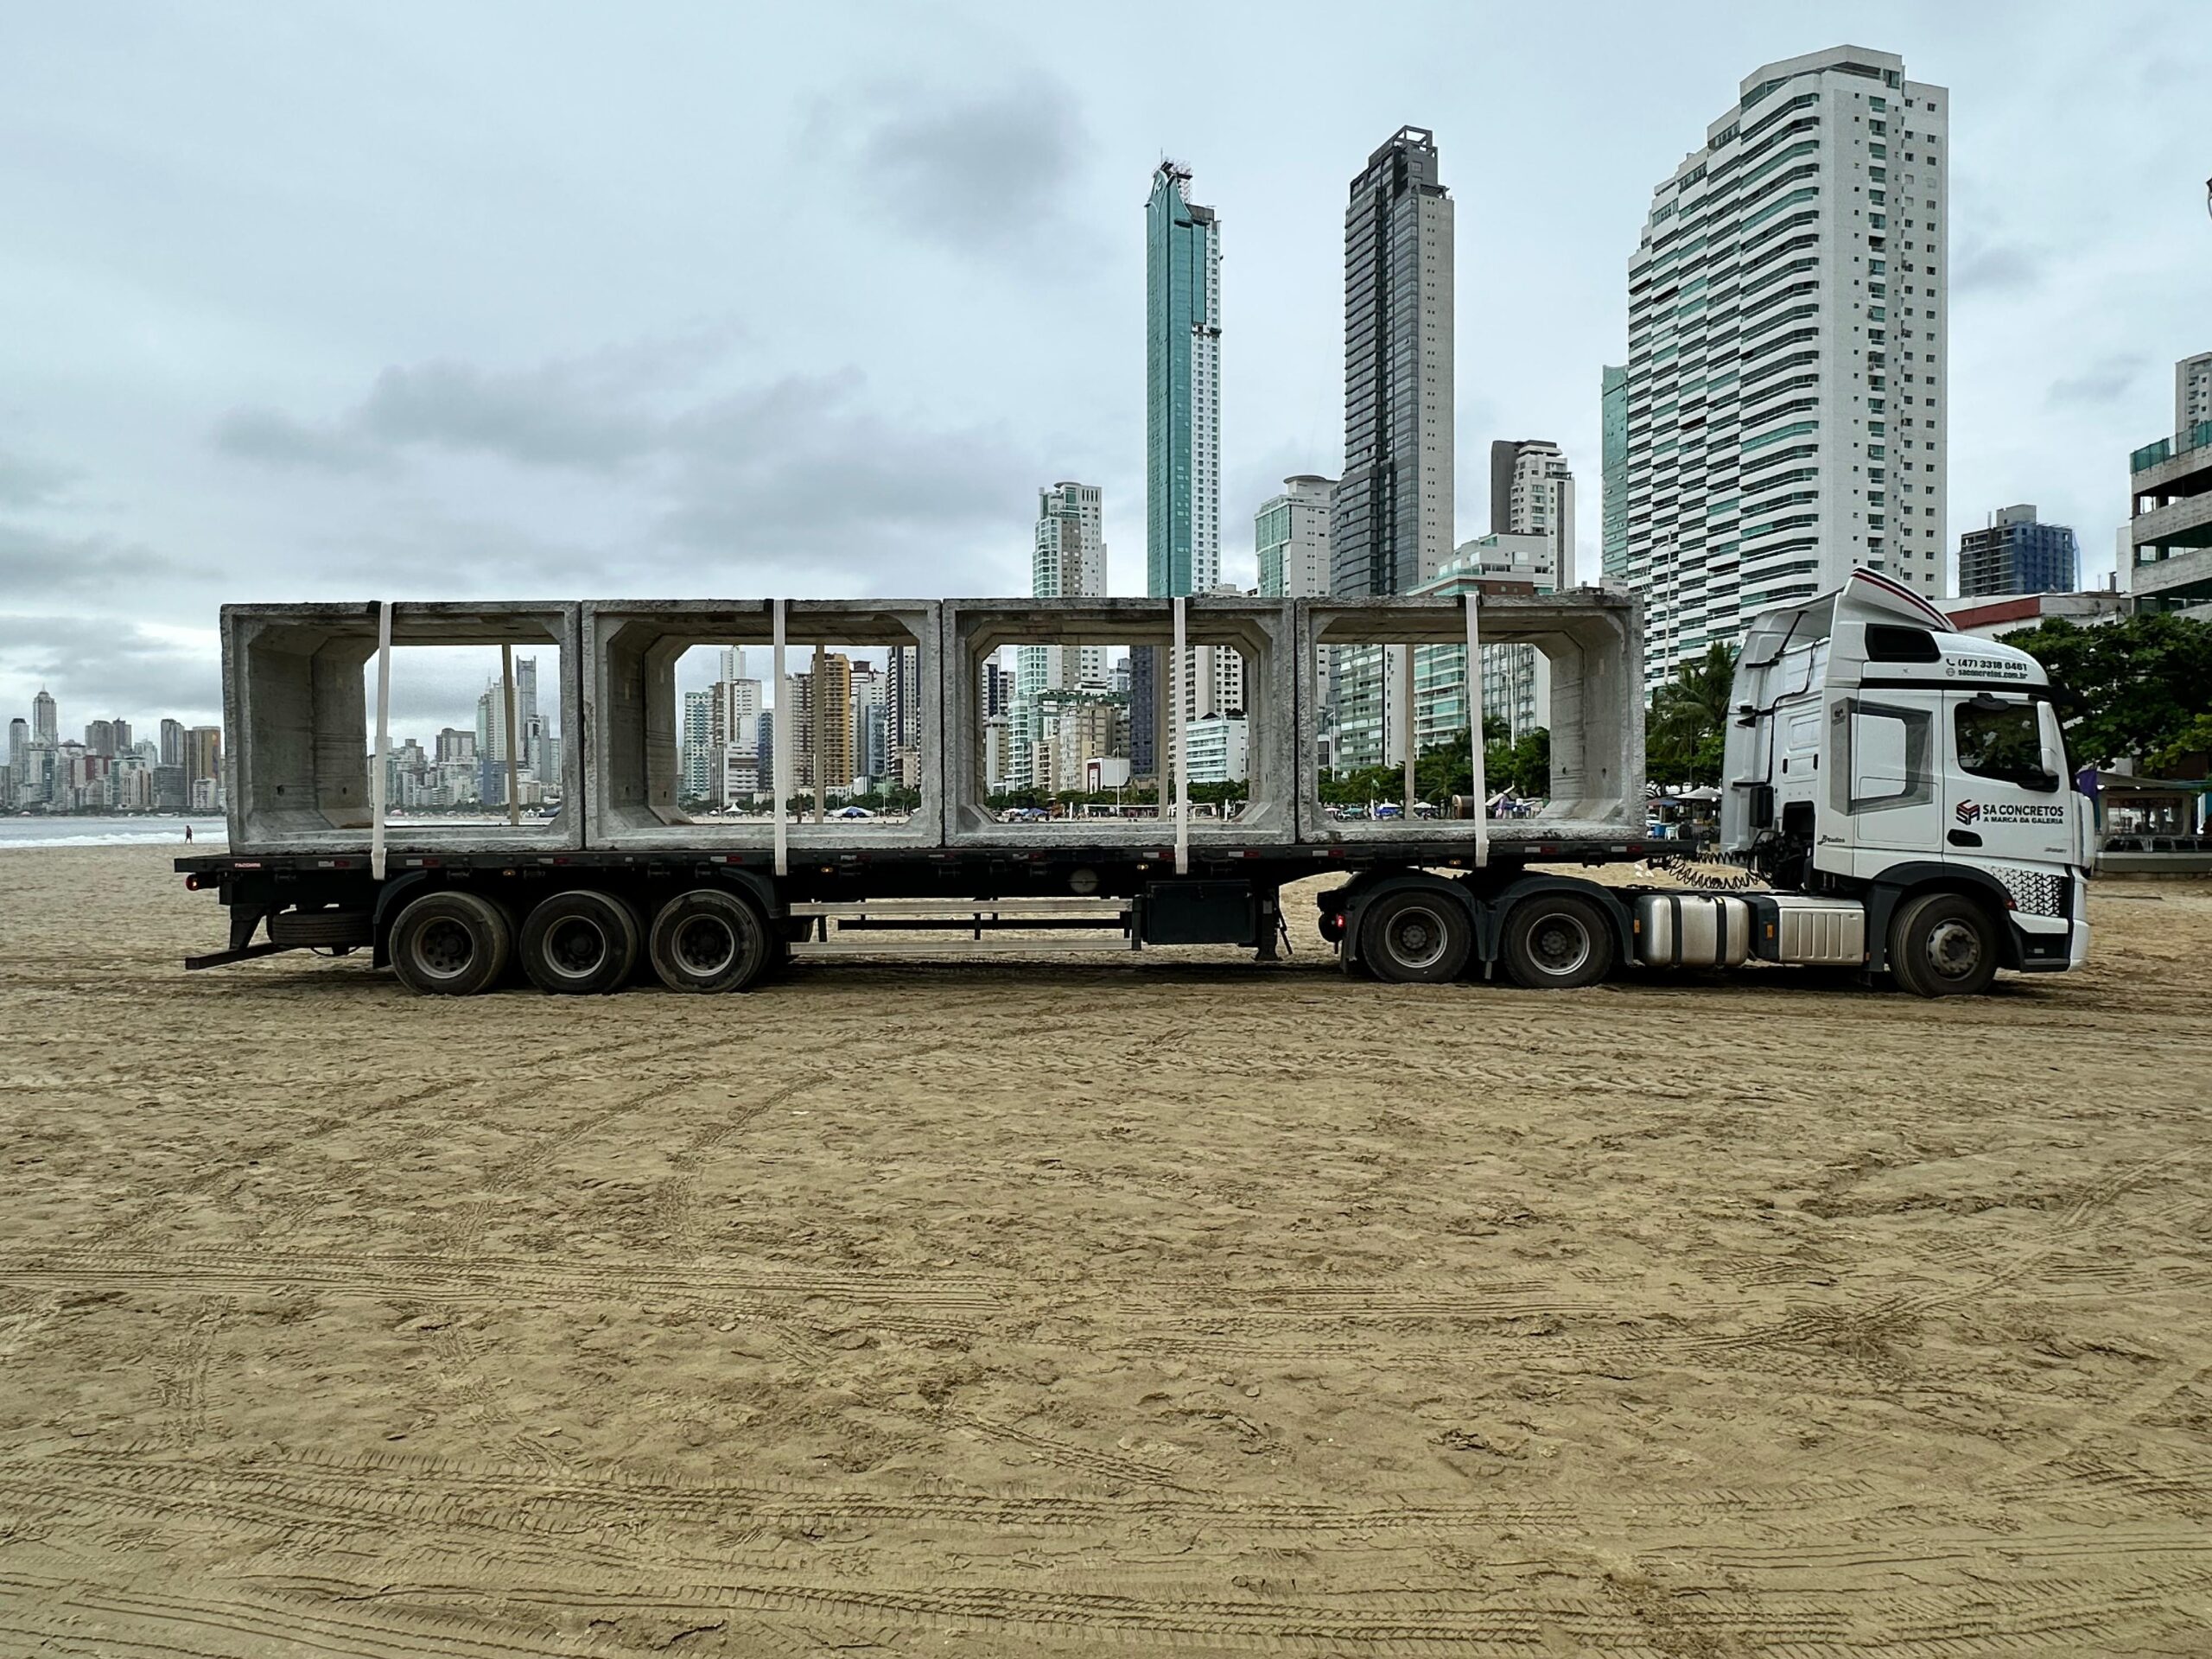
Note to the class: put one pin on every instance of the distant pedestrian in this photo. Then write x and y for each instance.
(187, 832)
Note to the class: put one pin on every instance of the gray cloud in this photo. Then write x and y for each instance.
(592, 412)
(801, 475)
(27, 482)
(252, 433)
(37, 561)
(984, 173)
(97, 668)
(2104, 382)
(1999, 268)
(542, 417)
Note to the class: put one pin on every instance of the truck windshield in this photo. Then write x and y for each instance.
(2003, 740)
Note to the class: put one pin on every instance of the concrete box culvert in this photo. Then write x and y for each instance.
(298, 710)
(1591, 639)
(1261, 631)
(633, 729)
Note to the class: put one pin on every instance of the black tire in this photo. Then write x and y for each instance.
(1558, 942)
(321, 928)
(1943, 945)
(709, 940)
(581, 943)
(1416, 936)
(451, 944)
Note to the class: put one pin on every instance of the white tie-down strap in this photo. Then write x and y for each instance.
(379, 782)
(780, 772)
(514, 737)
(1179, 732)
(1480, 786)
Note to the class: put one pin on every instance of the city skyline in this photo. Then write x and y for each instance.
(115, 766)
(429, 443)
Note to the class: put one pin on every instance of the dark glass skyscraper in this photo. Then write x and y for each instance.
(1391, 522)
(1182, 389)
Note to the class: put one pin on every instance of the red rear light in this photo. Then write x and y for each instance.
(192, 884)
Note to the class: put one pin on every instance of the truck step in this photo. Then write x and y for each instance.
(962, 910)
(908, 946)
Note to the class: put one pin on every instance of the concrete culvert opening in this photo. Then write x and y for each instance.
(1066, 721)
(1387, 700)
(479, 746)
(699, 741)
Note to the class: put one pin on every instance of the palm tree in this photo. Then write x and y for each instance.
(1685, 734)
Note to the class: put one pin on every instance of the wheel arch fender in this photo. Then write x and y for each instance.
(394, 897)
(1905, 881)
(760, 889)
(1496, 904)
(1368, 887)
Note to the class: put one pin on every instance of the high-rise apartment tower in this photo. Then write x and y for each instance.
(2192, 390)
(1613, 404)
(1532, 493)
(1290, 534)
(1787, 335)
(2014, 554)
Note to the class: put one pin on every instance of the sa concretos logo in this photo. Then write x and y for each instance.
(1968, 811)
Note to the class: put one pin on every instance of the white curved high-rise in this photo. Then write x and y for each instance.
(1787, 390)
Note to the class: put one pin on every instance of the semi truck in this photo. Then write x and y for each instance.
(1896, 800)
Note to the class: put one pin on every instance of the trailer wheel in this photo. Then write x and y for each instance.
(581, 944)
(1942, 944)
(1415, 937)
(1557, 942)
(451, 944)
(710, 940)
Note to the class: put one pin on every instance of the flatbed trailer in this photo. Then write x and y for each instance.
(911, 904)
(1915, 749)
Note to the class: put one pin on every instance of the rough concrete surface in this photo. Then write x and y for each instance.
(1179, 1306)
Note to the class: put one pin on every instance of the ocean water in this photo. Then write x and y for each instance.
(211, 833)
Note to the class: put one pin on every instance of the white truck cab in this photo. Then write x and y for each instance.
(1878, 759)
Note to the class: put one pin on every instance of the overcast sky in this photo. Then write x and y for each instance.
(305, 300)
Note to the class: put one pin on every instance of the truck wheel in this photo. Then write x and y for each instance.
(1942, 945)
(708, 940)
(581, 944)
(1415, 937)
(451, 944)
(1558, 942)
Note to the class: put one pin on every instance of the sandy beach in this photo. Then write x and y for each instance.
(1185, 1306)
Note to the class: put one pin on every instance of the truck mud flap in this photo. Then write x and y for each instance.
(1198, 912)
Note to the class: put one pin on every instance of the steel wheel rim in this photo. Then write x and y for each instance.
(1560, 944)
(575, 947)
(1954, 950)
(1417, 938)
(445, 948)
(704, 945)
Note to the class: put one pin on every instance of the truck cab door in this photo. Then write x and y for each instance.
(2006, 798)
(1884, 804)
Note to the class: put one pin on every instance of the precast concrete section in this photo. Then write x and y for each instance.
(633, 715)
(296, 703)
(1263, 632)
(1592, 642)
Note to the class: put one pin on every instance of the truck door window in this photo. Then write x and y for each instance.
(1889, 763)
(2003, 740)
